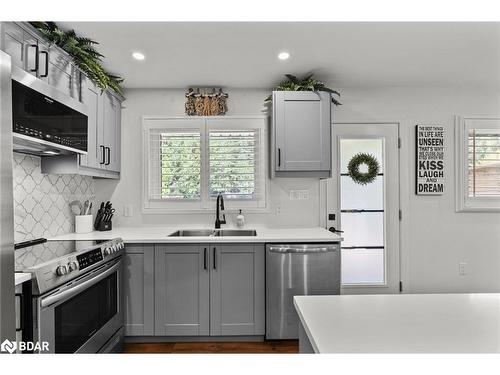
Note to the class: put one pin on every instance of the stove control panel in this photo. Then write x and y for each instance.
(51, 274)
(89, 258)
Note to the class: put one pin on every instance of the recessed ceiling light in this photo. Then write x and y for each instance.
(138, 56)
(283, 55)
(50, 152)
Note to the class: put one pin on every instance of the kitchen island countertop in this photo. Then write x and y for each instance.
(401, 323)
(161, 235)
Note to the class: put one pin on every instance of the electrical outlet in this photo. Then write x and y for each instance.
(298, 195)
(278, 210)
(462, 268)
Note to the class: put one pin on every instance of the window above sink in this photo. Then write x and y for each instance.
(188, 161)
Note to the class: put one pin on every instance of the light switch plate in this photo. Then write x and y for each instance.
(299, 195)
(462, 268)
(128, 210)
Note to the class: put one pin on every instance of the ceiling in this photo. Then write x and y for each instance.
(180, 54)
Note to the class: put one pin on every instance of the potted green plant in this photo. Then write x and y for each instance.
(308, 83)
(83, 52)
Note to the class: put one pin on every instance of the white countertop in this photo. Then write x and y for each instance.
(402, 323)
(21, 278)
(160, 234)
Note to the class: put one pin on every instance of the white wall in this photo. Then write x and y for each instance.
(171, 103)
(434, 237)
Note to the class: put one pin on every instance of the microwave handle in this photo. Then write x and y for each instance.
(73, 291)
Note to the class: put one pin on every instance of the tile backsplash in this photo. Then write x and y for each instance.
(41, 202)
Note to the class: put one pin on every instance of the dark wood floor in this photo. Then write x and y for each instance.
(286, 346)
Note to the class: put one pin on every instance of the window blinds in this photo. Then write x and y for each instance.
(175, 164)
(233, 167)
(484, 162)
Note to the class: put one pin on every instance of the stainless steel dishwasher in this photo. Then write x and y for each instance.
(297, 270)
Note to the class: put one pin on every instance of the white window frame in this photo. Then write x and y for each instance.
(205, 124)
(463, 202)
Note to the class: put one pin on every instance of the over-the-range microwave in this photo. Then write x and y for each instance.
(46, 121)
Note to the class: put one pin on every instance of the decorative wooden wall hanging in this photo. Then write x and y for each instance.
(206, 102)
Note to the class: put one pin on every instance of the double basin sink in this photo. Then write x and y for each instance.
(214, 233)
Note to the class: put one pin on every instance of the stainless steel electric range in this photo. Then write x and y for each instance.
(74, 301)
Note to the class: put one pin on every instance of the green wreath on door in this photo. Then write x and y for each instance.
(363, 178)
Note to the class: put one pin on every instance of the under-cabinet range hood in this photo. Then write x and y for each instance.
(46, 122)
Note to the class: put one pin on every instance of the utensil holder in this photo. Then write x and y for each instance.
(83, 223)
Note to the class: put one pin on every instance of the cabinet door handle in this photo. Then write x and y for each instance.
(109, 155)
(279, 157)
(103, 154)
(46, 74)
(215, 258)
(205, 258)
(21, 311)
(36, 58)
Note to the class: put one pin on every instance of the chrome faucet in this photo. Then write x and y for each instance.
(219, 209)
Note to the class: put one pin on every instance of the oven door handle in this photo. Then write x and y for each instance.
(54, 298)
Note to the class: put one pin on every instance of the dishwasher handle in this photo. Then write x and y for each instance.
(291, 249)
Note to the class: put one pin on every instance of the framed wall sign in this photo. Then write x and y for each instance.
(429, 179)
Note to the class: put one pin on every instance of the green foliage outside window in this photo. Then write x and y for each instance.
(232, 165)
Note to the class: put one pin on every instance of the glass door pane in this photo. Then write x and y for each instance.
(362, 215)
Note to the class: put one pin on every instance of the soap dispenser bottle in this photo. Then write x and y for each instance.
(240, 220)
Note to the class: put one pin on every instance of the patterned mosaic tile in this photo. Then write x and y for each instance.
(41, 202)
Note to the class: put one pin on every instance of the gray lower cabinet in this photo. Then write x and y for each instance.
(237, 291)
(203, 290)
(182, 290)
(138, 285)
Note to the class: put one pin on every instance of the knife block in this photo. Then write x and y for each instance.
(104, 226)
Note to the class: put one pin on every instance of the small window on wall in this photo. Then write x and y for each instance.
(478, 164)
(188, 162)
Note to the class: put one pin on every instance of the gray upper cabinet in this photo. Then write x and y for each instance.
(111, 135)
(104, 128)
(301, 144)
(138, 286)
(104, 137)
(237, 292)
(91, 96)
(62, 73)
(28, 51)
(12, 42)
(31, 52)
(181, 290)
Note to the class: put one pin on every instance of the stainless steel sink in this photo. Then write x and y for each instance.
(214, 233)
(194, 233)
(236, 232)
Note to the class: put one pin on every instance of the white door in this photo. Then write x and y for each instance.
(368, 214)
